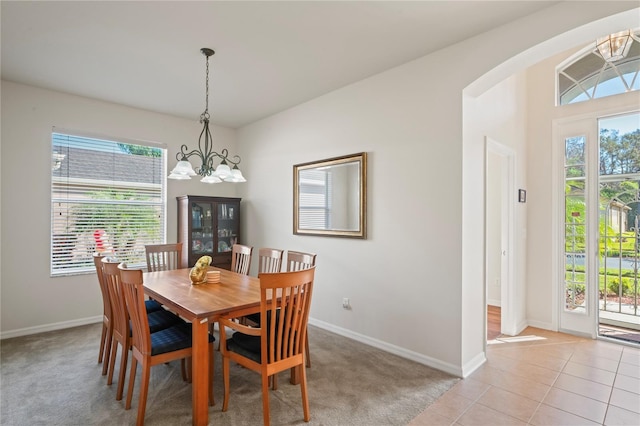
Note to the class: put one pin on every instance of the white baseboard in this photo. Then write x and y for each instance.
(473, 365)
(49, 327)
(493, 302)
(396, 350)
(542, 325)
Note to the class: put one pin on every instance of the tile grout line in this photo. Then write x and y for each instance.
(470, 405)
(549, 390)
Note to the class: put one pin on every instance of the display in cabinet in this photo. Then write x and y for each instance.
(208, 226)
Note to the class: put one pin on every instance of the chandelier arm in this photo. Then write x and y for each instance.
(183, 155)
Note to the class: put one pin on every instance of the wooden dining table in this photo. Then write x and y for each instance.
(202, 304)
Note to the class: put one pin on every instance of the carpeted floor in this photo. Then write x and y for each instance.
(54, 379)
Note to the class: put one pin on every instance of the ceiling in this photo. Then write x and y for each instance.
(270, 55)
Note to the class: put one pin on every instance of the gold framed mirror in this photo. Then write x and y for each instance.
(330, 197)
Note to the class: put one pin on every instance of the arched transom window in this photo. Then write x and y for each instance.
(588, 75)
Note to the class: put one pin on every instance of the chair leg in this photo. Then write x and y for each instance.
(144, 390)
(103, 339)
(265, 399)
(303, 392)
(124, 357)
(112, 361)
(132, 379)
(211, 367)
(306, 348)
(188, 369)
(225, 378)
(107, 352)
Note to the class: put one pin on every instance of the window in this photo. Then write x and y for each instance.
(106, 196)
(588, 76)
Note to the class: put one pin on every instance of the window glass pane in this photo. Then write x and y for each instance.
(619, 220)
(575, 223)
(105, 196)
(590, 77)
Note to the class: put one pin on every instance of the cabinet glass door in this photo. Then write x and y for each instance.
(228, 225)
(202, 228)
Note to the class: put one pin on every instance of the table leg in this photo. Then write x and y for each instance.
(200, 372)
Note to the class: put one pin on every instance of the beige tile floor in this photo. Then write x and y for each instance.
(545, 378)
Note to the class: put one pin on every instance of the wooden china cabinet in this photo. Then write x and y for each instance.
(208, 226)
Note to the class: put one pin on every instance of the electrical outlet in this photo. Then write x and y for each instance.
(345, 303)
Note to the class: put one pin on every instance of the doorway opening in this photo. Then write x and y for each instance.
(499, 234)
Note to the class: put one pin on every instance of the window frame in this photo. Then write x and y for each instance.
(78, 190)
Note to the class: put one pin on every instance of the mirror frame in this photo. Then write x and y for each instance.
(361, 232)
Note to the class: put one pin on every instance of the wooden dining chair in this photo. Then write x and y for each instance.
(297, 261)
(107, 323)
(157, 320)
(269, 260)
(163, 257)
(276, 345)
(241, 258)
(151, 349)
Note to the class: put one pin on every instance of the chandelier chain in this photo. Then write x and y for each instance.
(206, 106)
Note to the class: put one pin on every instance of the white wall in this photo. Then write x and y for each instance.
(32, 300)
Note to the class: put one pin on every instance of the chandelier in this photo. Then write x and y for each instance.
(205, 153)
(615, 46)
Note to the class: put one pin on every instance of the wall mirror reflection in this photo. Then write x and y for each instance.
(330, 197)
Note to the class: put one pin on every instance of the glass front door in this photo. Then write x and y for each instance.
(600, 226)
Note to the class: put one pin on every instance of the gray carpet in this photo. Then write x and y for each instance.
(54, 379)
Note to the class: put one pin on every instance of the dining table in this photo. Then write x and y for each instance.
(201, 305)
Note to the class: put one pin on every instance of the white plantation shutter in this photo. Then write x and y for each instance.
(105, 196)
(314, 199)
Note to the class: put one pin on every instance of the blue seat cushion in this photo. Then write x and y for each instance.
(245, 345)
(173, 339)
(162, 319)
(152, 305)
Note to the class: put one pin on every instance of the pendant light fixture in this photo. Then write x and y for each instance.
(205, 153)
(615, 46)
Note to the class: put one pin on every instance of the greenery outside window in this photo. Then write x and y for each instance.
(106, 196)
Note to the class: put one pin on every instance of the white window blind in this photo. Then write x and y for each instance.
(315, 199)
(106, 196)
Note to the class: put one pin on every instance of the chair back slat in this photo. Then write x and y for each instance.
(106, 300)
(289, 314)
(132, 284)
(297, 260)
(163, 257)
(241, 258)
(269, 260)
(119, 313)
